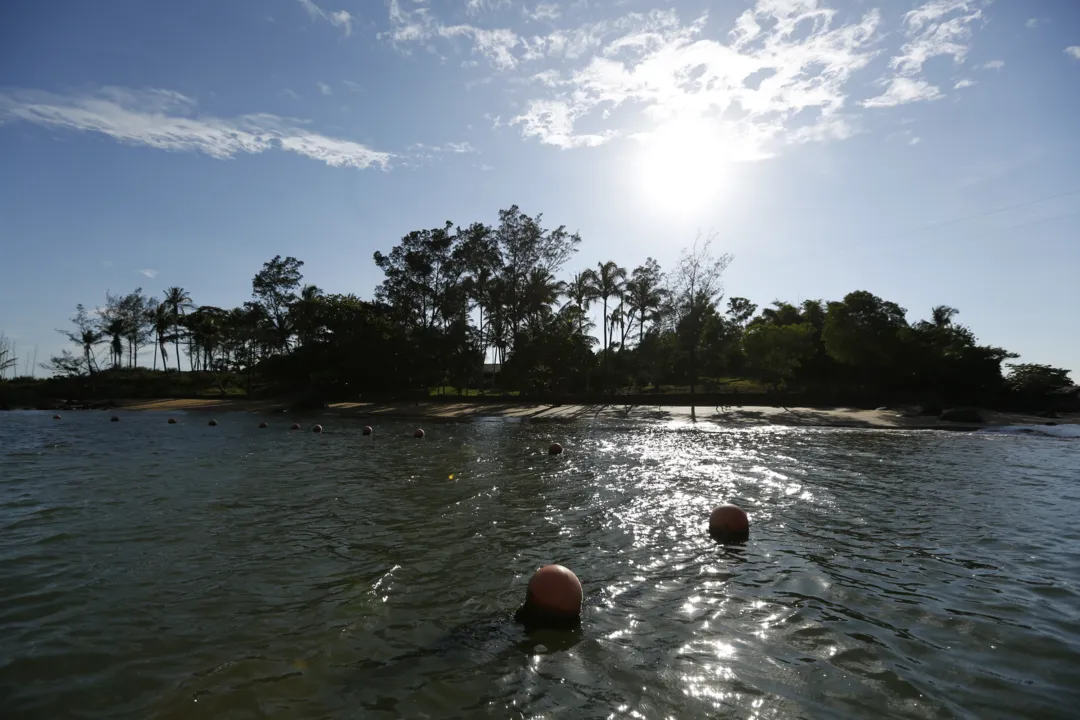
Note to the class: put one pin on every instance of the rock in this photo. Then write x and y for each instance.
(962, 415)
(929, 409)
(883, 407)
(1049, 414)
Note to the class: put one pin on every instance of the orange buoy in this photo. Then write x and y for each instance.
(172, 421)
(295, 426)
(419, 433)
(317, 428)
(262, 425)
(729, 523)
(55, 417)
(212, 423)
(114, 419)
(367, 429)
(555, 449)
(553, 598)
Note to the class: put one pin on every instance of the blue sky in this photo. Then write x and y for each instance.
(925, 151)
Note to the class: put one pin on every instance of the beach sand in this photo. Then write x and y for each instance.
(736, 416)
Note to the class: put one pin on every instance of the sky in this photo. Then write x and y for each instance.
(924, 151)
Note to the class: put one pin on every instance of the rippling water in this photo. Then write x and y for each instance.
(175, 571)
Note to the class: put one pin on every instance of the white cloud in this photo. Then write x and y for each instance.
(290, 93)
(543, 11)
(337, 18)
(1074, 51)
(994, 65)
(1032, 23)
(965, 83)
(149, 273)
(474, 7)
(781, 79)
(940, 27)
(167, 120)
(451, 147)
(419, 26)
(902, 91)
(324, 88)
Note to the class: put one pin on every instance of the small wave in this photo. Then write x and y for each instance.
(1059, 431)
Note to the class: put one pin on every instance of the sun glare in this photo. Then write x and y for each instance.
(684, 165)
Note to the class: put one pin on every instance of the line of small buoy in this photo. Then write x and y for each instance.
(554, 594)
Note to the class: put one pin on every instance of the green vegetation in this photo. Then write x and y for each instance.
(481, 311)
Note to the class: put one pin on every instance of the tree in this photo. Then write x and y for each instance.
(114, 329)
(7, 354)
(420, 272)
(610, 280)
(645, 293)
(274, 288)
(580, 292)
(86, 335)
(775, 352)
(1033, 378)
(740, 310)
(697, 285)
(477, 257)
(863, 330)
(525, 245)
(160, 316)
(179, 302)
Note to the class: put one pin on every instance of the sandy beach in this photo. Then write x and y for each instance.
(739, 416)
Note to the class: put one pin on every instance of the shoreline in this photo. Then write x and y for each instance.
(734, 416)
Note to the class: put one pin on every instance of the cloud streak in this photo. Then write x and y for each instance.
(148, 273)
(338, 18)
(168, 120)
(1073, 51)
(940, 28)
(767, 86)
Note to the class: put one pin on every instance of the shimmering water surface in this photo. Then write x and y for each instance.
(178, 571)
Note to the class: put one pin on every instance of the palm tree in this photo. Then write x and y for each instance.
(304, 312)
(610, 281)
(942, 315)
(541, 292)
(178, 301)
(581, 291)
(160, 316)
(88, 338)
(115, 329)
(645, 297)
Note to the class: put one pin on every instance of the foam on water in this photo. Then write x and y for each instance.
(1058, 431)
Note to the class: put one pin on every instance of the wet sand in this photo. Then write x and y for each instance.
(738, 416)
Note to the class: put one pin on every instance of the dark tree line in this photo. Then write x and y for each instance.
(492, 308)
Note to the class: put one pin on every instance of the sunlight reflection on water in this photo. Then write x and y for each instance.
(147, 570)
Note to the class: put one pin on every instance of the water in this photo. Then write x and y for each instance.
(175, 571)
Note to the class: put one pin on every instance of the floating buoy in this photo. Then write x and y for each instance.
(317, 428)
(729, 523)
(262, 425)
(55, 417)
(555, 449)
(418, 434)
(295, 426)
(367, 429)
(553, 598)
(114, 419)
(172, 421)
(212, 423)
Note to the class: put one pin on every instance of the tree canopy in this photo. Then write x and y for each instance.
(503, 308)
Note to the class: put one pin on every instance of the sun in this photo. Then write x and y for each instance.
(684, 165)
